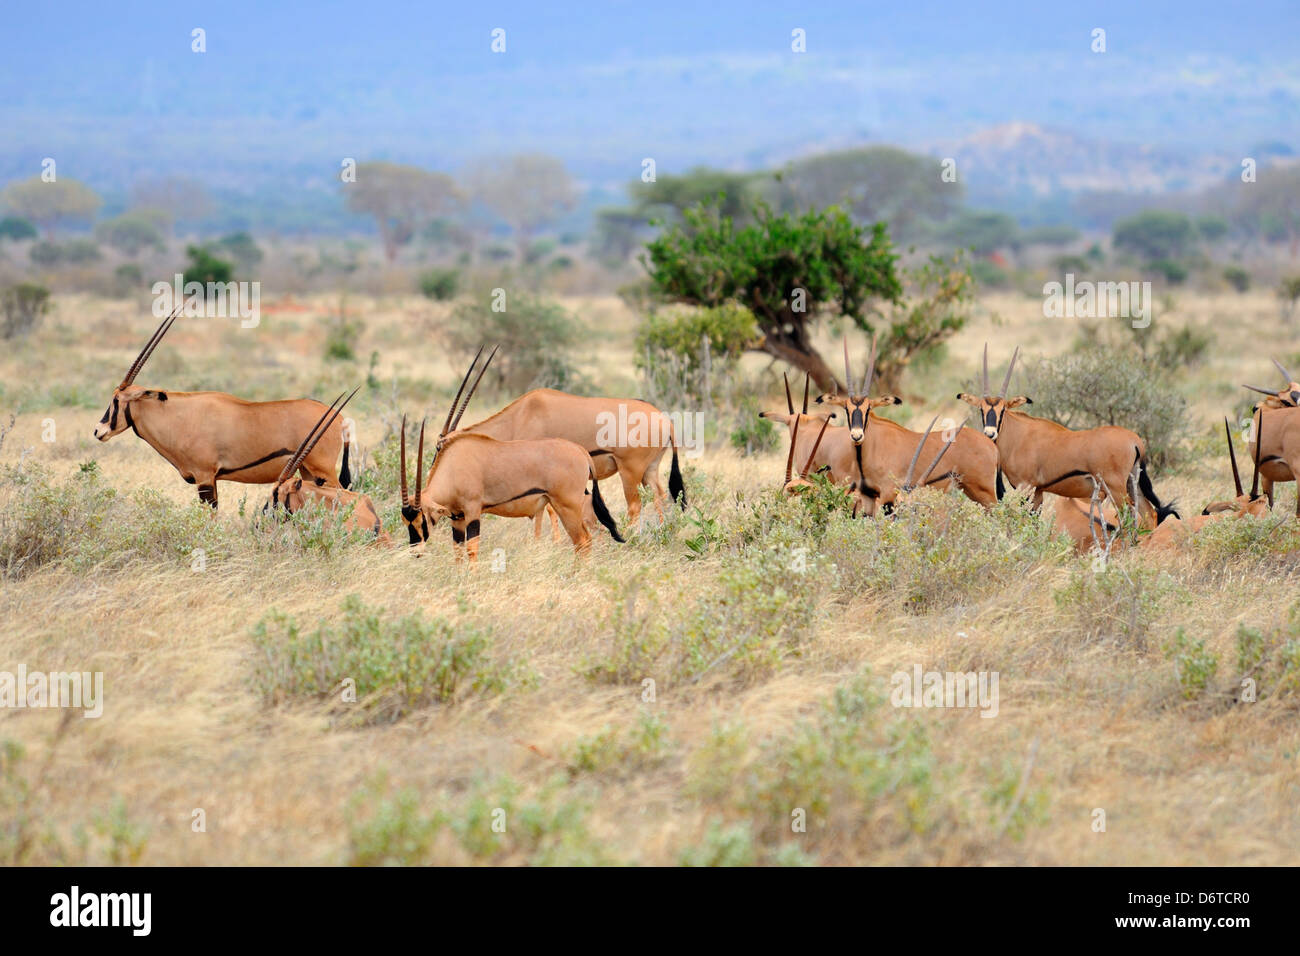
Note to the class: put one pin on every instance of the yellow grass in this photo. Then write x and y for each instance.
(1181, 782)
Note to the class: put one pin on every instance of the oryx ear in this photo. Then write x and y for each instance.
(1274, 402)
(778, 416)
(830, 398)
(1018, 401)
(968, 399)
(297, 484)
(884, 400)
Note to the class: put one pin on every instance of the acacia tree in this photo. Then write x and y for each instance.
(401, 199)
(789, 271)
(49, 204)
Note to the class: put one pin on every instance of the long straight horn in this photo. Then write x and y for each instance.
(934, 464)
(807, 466)
(1232, 456)
(313, 438)
(871, 369)
(1011, 367)
(911, 468)
(789, 402)
(1263, 391)
(806, 379)
(451, 412)
(986, 369)
(405, 492)
(419, 468)
(789, 459)
(1285, 374)
(149, 346)
(473, 388)
(848, 375)
(1259, 445)
(292, 463)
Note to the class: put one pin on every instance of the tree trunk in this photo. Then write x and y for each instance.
(803, 357)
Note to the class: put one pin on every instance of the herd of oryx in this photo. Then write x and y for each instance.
(547, 451)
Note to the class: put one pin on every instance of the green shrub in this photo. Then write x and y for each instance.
(440, 284)
(204, 267)
(1237, 277)
(728, 329)
(1172, 271)
(753, 435)
(1288, 291)
(22, 307)
(1194, 666)
(17, 229)
(722, 846)
(398, 664)
(341, 336)
(990, 275)
(131, 232)
(537, 340)
(616, 752)
(1112, 604)
(128, 278)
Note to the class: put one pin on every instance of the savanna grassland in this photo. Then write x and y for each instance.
(769, 628)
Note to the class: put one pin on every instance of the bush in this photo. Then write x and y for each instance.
(22, 307)
(752, 434)
(1156, 234)
(940, 550)
(440, 284)
(1172, 271)
(204, 267)
(990, 274)
(1288, 291)
(1115, 605)
(536, 338)
(1237, 277)
(341, 336)
(1099, 386)
(690, 356)
(1194, 666)
(131, 232)
(46, 253)
(128, 278)
(241, 247)
(398, 664)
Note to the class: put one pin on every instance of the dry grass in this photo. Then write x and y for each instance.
(586, 770)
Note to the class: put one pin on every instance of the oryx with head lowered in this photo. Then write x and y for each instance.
(292, 494)
(211, 436)
(1280, 454)
(882, 448)
(1048, 457)
(623, 436)
(473, 474)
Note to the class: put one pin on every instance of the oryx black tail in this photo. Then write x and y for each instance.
(676, 487)
(598, 506)
(1163, 511)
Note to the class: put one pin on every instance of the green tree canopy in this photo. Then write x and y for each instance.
(1156, 234)
(787, 270)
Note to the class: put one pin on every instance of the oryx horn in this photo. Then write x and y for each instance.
(314, 436)
(817, 444)
(1262, 391)
(789, 459)
(451, 412)
(1011, 367)
(789, 402)
(916, 455)
(149, 346)
(806, 379)
(1285, 374)
(1259, 445)
(871, 369)
(1232, 456)
(405, 491)
(848, 375)
(419, 466)
(473, 388)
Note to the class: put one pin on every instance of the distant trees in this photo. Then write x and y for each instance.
(17, 228)
(1156, 234)
(874, 184)
(168, 200)
(51, 204)
(132, 231)
(982, 231)
(527, 192)
(1272, 204)
(732, 193)
(401, 199)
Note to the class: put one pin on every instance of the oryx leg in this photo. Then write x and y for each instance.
(1267, 485)
(571, 517)
(1038, 501)
(654, 482)
(632, 492)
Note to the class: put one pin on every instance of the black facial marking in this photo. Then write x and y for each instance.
(162, 396)
(189, 479)
(113, 424)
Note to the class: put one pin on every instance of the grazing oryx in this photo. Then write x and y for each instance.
(1047, 456)
(212, 436)
(291, 494)
(624, 436)
(1254, 505)
(1280, 459)
(881, 453)
(472, 475)
(834, 455)
(795, 485)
